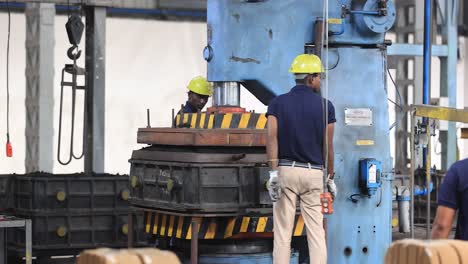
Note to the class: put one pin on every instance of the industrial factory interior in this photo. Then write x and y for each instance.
(233, 131)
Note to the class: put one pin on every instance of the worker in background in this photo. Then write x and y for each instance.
(295, 150)
(452, 196)
(199, 92)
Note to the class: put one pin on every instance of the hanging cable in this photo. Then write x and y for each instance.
(337, 61)
(9, 148)
(353, 199)
(325, 197)
(400, 105)
(437, 145)
(393, 102)
(324, 102)
(397, 91)
(326, 82)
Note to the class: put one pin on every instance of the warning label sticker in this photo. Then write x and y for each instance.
(372, 173)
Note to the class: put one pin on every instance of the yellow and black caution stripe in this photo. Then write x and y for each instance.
(229, 120)
(202, 120)
(165, 225)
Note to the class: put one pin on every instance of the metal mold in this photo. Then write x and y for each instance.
(79, 230)
(42, 192)
(194, 187)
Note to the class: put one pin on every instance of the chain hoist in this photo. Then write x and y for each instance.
(74, 27)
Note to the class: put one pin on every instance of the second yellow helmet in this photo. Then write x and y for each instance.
(306, 63)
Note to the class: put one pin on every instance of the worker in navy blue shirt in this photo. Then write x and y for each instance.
(297, 125)
(199, 90)
(452, 197)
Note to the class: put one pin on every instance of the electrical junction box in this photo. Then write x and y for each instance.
(370, 171)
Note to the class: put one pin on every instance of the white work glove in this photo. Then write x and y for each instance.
(331, 187)
(274, 187)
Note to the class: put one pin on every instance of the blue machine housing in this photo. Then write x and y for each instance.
(254, 43)
(370, 171)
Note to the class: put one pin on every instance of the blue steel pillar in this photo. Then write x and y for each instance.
(450, 70)
(448, 81)
(426, 96)
(427, 51)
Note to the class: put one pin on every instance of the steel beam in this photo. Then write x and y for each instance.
(402, 82)
(40, 42)
(95, 89)
(418, 60)
(441, 113)
(400, 49)
(135, 4)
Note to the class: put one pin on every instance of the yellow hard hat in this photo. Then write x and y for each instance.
(200, 85)
(306, 63)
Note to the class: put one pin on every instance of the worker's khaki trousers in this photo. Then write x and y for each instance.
(307, 184)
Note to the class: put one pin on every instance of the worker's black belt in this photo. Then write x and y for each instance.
(292, 163)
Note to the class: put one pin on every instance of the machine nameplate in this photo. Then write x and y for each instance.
(358, 116)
